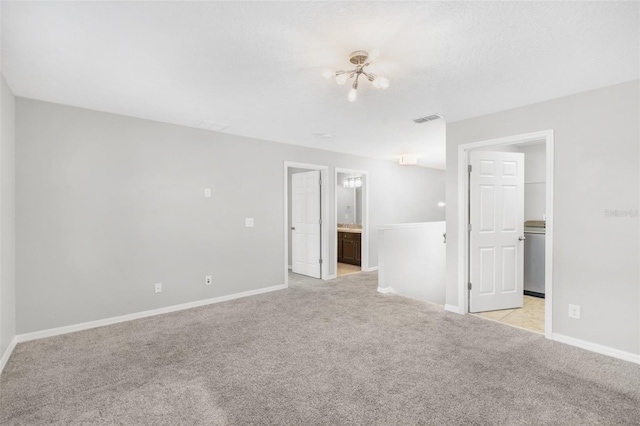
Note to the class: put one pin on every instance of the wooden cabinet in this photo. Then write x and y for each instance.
(349, 248)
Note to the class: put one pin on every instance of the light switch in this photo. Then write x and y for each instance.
(248, 222)
(207, 193)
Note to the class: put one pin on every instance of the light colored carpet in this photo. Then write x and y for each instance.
(319, 353)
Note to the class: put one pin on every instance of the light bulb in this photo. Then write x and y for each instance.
(358, 182)
(381, 83)
(341, 78)
(328, 74)
(353, 94)
(352, 182)
(374, 54)
(345, 184)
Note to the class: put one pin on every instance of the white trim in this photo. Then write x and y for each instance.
(324, 172)
(463, 217)
(594, 347)
(454, 309)
(364, 243)
(144, 314)
(548, 241)
(369, 269)
(386, 290)
(7, 353)
(408, 225)
(332, 277)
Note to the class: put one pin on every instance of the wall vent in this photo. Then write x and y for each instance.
(427, 118)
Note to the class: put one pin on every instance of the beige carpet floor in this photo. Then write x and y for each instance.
(318, 353)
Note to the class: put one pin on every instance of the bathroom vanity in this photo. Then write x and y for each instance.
(350, 246)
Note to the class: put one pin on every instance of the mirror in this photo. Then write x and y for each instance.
(349, 196)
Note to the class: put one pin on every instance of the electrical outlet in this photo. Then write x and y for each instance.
(248, 222)
(158, 287)
(574, 311)
(207, 280)
(207, 193)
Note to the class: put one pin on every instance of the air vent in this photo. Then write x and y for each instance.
(427, 118)
(323, 135)
(210, 125)
(408, 159)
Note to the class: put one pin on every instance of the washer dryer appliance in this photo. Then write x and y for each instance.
(534, 243)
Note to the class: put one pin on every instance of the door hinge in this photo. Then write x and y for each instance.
(469, 286)
(320, 221)
(469, 227)
(320, 261)
(469, 168)
(320, 181)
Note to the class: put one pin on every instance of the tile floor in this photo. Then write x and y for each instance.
(530, 316)
(346, 269)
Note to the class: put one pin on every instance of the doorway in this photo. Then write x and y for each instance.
(351, 221)
(468, 239)
(305, 230)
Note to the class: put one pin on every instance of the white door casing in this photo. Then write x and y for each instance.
(305, 209)
(497, 230)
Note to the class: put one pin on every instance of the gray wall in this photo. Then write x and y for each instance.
(7, 216)
(535, 181)
(108, 205)
(596, 169)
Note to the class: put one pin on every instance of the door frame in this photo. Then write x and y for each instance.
(463, 218)
(324, 171)
(364, 242)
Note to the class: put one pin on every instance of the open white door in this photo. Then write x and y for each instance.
(305, 224)
(496, 258)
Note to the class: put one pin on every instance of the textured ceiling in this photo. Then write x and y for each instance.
(256, 66)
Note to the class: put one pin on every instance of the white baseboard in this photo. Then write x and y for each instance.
(454, 309)
(385, 290)
(331, 277)
(594, 347)
(7, 353)
(370, 269)
(115, 320)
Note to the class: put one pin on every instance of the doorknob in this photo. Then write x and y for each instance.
(522, 238)
(293, 228)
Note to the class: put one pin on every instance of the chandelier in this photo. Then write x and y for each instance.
(361, 60)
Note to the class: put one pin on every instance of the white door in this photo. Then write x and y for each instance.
(497, 230)
(305, 223)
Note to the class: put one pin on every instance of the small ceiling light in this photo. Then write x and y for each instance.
(361, 60)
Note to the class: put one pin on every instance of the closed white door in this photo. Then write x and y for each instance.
(305, 209)
(497, 230)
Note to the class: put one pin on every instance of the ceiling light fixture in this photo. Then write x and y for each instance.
(360, 59)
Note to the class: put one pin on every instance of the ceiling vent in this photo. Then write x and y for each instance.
(210, 125)
(427, 118)
(323, 135)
